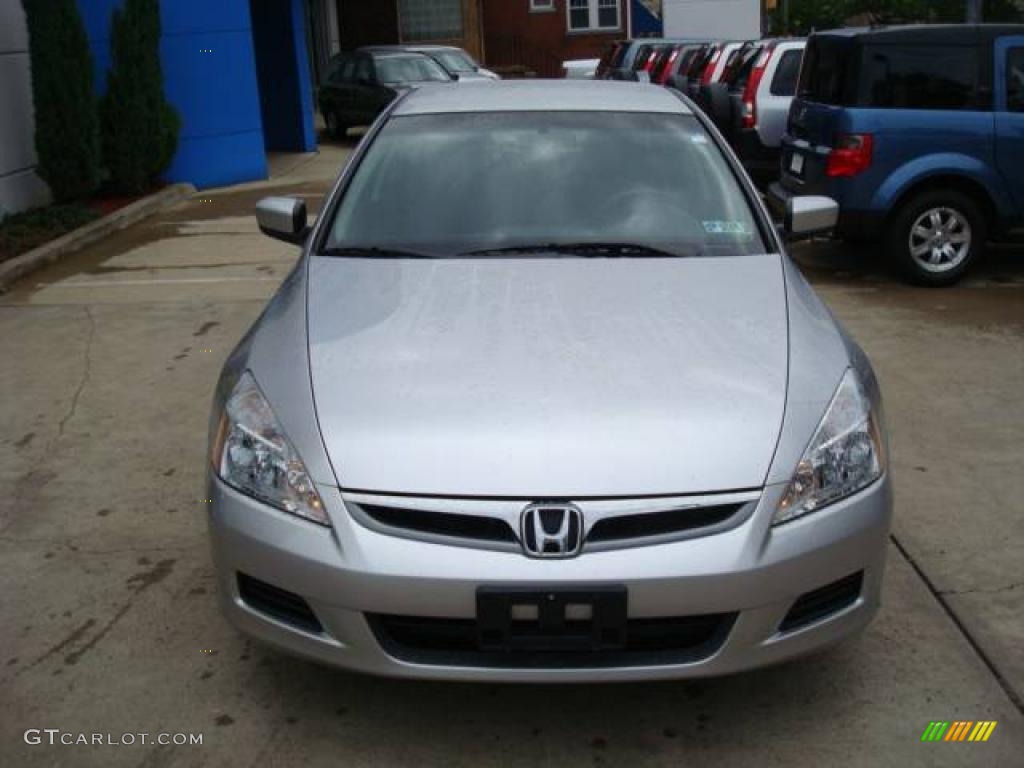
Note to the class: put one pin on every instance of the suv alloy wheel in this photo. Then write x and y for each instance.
(935, 236)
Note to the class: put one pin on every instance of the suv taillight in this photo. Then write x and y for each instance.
(749, 115)
(851, 154)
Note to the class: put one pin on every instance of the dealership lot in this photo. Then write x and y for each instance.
(112, 627)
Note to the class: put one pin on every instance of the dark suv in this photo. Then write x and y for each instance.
(918, 134)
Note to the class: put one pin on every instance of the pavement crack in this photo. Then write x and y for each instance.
(981, 590)
(86, 373)
(940, 597)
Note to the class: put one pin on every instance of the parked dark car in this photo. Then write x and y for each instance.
(361, 84)
(918, 133)
(453, 60)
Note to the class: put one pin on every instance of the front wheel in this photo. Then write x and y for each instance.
(936, 236)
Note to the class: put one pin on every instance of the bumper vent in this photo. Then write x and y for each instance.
(278, 603)
(832, 598)
(456, 642)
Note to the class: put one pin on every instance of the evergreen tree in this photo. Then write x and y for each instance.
(139, 127)
(67, 136)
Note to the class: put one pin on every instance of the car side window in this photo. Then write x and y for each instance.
(922, 77)
(341, 70)
(364, 69)
(786, 74)
(1015, 80)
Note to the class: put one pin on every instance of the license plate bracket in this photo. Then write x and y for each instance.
(556, 619)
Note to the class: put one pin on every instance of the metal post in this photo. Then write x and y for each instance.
(973, 11)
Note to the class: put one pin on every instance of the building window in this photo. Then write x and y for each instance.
(593, 15)
(422, 20)
(541, 6)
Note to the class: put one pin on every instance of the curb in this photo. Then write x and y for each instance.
(16, 268)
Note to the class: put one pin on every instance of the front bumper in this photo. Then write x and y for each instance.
(349, 571)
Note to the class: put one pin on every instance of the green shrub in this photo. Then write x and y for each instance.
(67, 134)
(139, 126)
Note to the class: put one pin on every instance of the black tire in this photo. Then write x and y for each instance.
(937, 251)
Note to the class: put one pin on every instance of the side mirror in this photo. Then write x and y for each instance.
(809, 215)
(283, 218)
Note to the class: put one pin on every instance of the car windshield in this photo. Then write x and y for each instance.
(632, 183)
(455, 61)
(409, 69)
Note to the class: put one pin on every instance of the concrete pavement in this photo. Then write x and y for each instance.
(110, 623)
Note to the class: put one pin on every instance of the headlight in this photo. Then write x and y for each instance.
(252, 454)
(845, 454)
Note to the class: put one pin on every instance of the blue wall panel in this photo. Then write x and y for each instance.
(304, 79)
(210, 77)
(282, 66)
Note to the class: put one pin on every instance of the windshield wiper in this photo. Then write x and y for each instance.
(585, 250)
(380, 253)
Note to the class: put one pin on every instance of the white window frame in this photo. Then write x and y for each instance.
(542, 6)
(592, 8)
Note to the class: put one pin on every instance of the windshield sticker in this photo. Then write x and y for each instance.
(726, 228)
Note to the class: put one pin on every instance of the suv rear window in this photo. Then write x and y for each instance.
(920, 77)
(826, 76)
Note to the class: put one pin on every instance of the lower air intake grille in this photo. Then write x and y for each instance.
(277, 603)
(456, 642)
(832, 598)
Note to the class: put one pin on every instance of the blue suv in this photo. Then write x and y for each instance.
(918, 134)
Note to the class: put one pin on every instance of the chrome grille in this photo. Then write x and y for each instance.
(495, 523)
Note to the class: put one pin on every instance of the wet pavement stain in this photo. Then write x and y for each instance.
(206, 327)
(73, 657)
(24, 440)
(146, 579)
(73, 637)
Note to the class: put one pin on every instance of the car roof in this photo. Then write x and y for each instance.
(542, 95)
(412, 48)
(952, 34)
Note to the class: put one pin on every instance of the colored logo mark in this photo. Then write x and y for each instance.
(958, 730)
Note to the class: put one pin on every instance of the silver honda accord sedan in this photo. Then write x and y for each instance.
(544, 399)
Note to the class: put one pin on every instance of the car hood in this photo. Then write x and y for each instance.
(556, 377)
